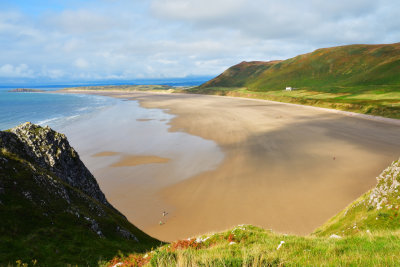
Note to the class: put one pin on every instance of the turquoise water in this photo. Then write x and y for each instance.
(46, 108)
(57, 110)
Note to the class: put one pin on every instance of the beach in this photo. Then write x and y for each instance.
(283, 167)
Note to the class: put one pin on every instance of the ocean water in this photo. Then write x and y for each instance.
(58, 110)
(47, 108)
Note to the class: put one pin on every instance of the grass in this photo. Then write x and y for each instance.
(376, 210)
(366, 233)
(376, 102)
(254, 246)
(358, 78)
(38, 225)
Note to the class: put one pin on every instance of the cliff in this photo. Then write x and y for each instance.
(376, 210)
(51, 207)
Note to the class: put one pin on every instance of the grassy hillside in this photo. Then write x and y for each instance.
(248, 245)
(339, 69)
(376, 210)
(352, 68)
(240, 74)
(46, 221)
(367, 233)
(358, 78)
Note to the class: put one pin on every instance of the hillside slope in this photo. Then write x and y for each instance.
(240, 74)
(51, 207)
(367, 233)
(376, 210)
(345, 68)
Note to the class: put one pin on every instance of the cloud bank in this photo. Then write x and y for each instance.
(121, 39)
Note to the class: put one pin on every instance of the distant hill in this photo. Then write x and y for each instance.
(240, 74)
(337, 69)
(25, 90)
(51, 207)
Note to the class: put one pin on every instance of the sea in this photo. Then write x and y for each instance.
(58, 110)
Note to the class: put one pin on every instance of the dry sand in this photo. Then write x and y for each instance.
(287, 167)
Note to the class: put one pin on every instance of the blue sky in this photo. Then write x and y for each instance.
(135, 39)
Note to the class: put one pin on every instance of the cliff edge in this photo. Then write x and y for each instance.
(52, 209)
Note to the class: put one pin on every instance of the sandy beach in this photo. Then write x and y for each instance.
(285, 167)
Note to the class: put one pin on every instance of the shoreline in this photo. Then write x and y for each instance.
(280, 158)
(337, 111)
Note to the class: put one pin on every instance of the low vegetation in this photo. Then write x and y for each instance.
(367, 233)
(374, 102)
(358, 78)
(248, 245)
(129, 88)
(45, 221)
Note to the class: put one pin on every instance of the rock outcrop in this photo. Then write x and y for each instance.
(376, 210)
(51, 150)
(51, 205)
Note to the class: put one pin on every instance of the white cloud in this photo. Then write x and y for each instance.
(81, 63)
(123, 39)
(20, 71)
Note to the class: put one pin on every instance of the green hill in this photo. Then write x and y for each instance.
(343, 68)
(51, 208)
(240, 74)
(358, 78)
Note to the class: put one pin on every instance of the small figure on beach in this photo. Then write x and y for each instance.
(334, 157)
(164, 213)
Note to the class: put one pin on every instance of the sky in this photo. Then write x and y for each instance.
(88, 40)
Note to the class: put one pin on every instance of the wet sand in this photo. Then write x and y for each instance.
(105, 154)
(286, 167)
(131, 160)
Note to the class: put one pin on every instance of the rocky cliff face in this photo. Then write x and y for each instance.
(51, 205)
(51, 150)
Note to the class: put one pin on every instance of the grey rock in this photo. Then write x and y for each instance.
(126, 234)
(51, 150)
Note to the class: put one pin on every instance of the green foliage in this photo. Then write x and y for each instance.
(375, 211)
(350, 70)
(367, 233)
(379, 101)
(257, 247)
(39, 226)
